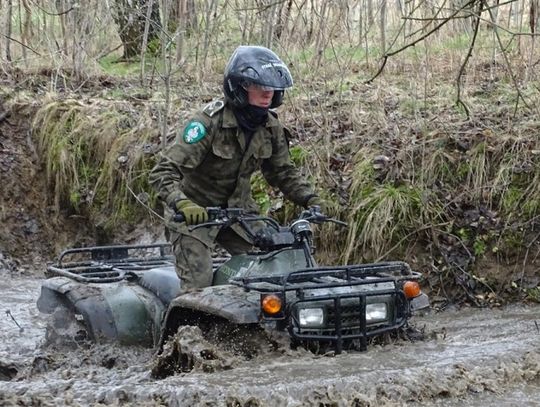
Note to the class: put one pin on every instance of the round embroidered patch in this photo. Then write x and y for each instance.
(194, 132)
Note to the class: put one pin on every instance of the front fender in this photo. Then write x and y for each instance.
(420, 303)
(224, 302)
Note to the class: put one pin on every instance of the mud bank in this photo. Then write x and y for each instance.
(471, 357)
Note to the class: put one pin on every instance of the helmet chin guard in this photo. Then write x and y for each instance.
(255, 65)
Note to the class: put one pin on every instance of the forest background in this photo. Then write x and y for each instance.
(419, 120)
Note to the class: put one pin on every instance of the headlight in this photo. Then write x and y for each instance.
(311, 317)
(376, 312)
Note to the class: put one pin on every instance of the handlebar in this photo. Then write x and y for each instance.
(314, 215)
(226, 217)
(218, 217)
(214, 214)
(270, 237)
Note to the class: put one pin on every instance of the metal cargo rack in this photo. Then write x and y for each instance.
(106, 264)
(348, 322)
(329, 277)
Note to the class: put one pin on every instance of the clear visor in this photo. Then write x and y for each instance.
(256, 86)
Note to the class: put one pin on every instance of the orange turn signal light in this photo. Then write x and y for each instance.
(411, 289)
(271, 304)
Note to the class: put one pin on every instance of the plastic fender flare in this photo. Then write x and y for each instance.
(117, 311)
(227, 302)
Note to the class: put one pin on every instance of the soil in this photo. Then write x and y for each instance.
(471, 356)
(33, 230)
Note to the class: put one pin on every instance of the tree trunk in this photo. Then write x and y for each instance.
(370, 13)
(130, 16)
(183, 15)
(383, 26)
(8, 30)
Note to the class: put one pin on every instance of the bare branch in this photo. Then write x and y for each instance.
(20, 43)
(423, 37)
(53, 14)
(459, 101)
(508, 65)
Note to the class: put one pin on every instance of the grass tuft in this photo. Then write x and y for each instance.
(93, 154)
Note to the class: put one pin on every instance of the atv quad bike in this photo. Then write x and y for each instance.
(132, 293)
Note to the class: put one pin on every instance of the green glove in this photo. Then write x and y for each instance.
(317, 201)
(193, 213)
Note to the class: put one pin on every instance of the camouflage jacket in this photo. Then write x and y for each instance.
(210, 164)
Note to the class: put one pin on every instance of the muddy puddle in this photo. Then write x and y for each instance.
(471, 357)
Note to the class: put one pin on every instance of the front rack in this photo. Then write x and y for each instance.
(332, 277)
(312, 277)
(106, 264)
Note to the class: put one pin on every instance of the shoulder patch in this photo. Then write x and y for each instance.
(194, 132)
(213, 107)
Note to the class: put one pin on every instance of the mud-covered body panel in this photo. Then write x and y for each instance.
(120, 292)
(121, 311)
(226, 301)
(250, 265)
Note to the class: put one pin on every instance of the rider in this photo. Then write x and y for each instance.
(212, 161)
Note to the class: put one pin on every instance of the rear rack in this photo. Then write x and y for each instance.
(106, 264)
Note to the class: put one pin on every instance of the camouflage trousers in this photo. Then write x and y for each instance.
(193, 253)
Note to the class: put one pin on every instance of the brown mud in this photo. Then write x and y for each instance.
(470, 357)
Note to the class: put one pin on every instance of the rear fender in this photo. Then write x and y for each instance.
(117, 311)
(226, 302)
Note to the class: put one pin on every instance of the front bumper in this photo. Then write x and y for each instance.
(346, 321)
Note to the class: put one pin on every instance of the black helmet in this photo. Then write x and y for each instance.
(255, 65)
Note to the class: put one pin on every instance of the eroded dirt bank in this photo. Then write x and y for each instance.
(471, 357)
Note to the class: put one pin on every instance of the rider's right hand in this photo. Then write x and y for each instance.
(193, 213)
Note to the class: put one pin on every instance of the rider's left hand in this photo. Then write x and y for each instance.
(317, 201)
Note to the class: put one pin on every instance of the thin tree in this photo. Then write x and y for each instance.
(8, 30)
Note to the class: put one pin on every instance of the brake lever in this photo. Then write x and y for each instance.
(318, 218)
(337, 222)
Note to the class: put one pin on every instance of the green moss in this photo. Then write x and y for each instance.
(479, 246)
(511, 241)
(511, 199)
(113, 66)
(533, 294)
(298, 155)
(463, 170)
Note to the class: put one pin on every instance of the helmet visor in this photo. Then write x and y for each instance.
(256, 86)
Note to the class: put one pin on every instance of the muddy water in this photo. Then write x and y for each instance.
(472, 357)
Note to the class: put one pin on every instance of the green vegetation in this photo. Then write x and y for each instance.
(398, 158)
(443, 179)
(95, 157)
(112, 66)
